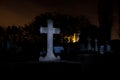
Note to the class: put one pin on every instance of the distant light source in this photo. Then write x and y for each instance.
(72, 38)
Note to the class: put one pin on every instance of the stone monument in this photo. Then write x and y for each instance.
(96, 45)
(50, 31)
(89, 44)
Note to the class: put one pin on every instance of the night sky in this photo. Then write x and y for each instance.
(20, 12)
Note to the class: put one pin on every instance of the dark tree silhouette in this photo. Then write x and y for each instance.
(1, 30)
(67, 24)
(105, 18)
(85, 29)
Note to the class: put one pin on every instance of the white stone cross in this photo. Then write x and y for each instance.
(50, 31)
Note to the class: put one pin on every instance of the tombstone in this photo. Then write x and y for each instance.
(43, 52)
(102, 49)
(89, 44)
(82, 47)
(49, 31)
(96, 45)
(93, 49)
(108, 47)
(58, 49)
(8, 45)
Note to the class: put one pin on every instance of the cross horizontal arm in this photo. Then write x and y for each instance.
(43, 30)
(56, 31)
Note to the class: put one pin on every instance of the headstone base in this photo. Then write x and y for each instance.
(49, 58)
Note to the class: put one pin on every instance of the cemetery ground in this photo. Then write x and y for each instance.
(88, 62)
(27, 61)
